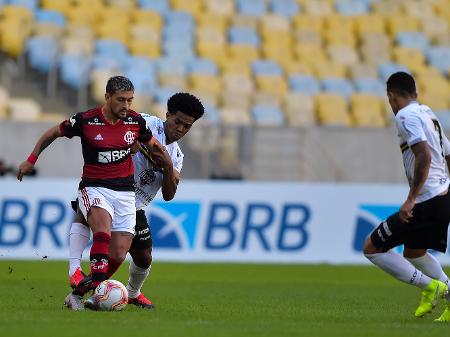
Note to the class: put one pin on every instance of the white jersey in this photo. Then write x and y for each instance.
(148, 181)
(417, 123)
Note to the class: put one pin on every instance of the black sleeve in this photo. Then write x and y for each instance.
(73, 126)
(145, 134)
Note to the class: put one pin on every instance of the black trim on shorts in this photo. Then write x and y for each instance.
(427, 229)
(143, 237)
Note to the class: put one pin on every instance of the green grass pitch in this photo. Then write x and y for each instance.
(216, 300)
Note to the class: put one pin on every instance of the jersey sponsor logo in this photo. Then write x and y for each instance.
(174, 224)
(98, 137)
(129, 121)
(105, 157)
(368, 218)
(95, 121)
(129, 137)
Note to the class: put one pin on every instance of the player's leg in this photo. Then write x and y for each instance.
(427, 263)
(141, 253)
(78, 240)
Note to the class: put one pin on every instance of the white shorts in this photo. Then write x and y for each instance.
(121, 205)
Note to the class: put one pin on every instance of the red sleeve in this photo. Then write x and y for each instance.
(73, 126)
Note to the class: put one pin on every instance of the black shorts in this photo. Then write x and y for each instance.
(143, 236)
(427, 229)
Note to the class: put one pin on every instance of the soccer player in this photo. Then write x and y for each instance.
(106, 191)
(183, 110)
(422, 221)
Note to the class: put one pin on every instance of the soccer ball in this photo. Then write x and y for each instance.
(111, 295)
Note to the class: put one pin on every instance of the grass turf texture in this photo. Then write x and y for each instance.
(221, 300)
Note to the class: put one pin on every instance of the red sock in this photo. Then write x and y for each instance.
(99, 257)
(113, 265)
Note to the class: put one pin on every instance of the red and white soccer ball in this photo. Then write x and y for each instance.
(111, 295)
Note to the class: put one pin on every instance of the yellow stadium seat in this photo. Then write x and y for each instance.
(291, 66)
(11, 12)
(63, 6)
(329, 69)
(236, 66)
(275, 85)
(159, 110)
(123, 4)
(147, 18)
(210, 34)
(79, 31)
(388, 8)
(412, 58)
(338, 22)
(318, 7)
(376, 48)
(236, 98)
(264, 97)
(402, 23)
(238, 82)
(360, 70)
(223, 7)
(277, 53)
(435, 100)
(46, 29)
(419, 9)
(98, 80)
(4, 103)
(428, 83)
(274, 23)
(307, 37)
(48, 117)
(213, 51)
(213, 20)
(112, 31)
(207, 97)
(144, 48)
(206, 82)
(299, 109)
(115, 16)
(13, 35)
(332, 110)
(142, 102)
(310, 53)
(24, 109)
(77, 45)
(343, 54)
(244, 52)
(241, 20)
(234, 116)
(175, 81)
(143, 32)
(340, 38)
(191, 6)
(369, 23)
(308, 23)
(82, 16)
(367, 111)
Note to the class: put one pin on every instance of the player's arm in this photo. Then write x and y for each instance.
(422, 162)
(45, 140)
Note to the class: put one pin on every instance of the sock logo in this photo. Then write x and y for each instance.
(174, 225)
(368, 218)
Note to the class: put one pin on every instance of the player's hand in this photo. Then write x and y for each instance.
(25, 168)
(161, 157)
(406, 211)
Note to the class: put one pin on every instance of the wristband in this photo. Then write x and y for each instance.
(32, 158)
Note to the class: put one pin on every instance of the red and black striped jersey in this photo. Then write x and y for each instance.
(107, 147)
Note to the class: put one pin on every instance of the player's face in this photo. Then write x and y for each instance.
(120, 102)
(177, 125)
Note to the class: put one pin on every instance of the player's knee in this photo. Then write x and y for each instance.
(413, 253)
(118, 254)
(369, 247)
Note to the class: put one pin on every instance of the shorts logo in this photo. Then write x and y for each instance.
(174, 224)
(129, 137)
(368, 218)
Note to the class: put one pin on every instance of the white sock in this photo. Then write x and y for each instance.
(396, 265)
(136, 279)
(78, 240)
(430, 266)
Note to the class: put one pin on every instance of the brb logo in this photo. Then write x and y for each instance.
(229, 226)
(174, 224)
(369, 217)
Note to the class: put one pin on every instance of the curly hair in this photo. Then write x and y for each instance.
(187, 104)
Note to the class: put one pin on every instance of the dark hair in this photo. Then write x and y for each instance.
(187, 104)
(118, 83)
(401, 83)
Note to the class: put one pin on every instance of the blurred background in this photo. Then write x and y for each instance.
(294, 90)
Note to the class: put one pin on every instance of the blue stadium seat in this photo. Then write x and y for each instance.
(106, 62)
(413, 40)
(203, 66)
(49, 16)
(288, 8)
(251, 7)
(171, 66)
(267, 114)
(370, 86)
(112, 48)
(180, 19)
(352, 7)
(162, 94)
(30, 4)
(444, 118)
(387, 69)
(304, 83)
(440, 58)
(143, 81)
(266, 68)
(160, 6)
(244, 35)
(142, 63)
(75, 70)
(212, 114)
(339, 86)
(42, 53)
